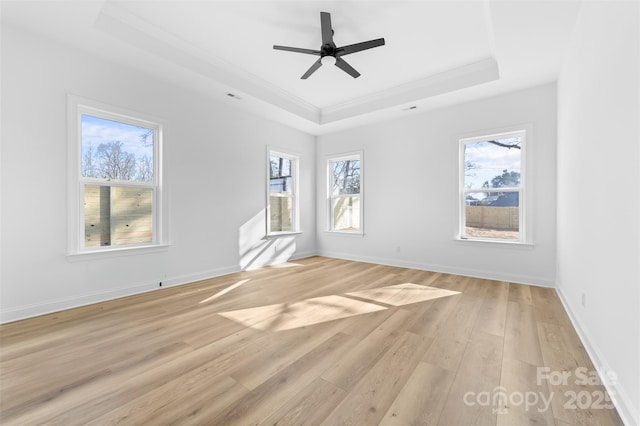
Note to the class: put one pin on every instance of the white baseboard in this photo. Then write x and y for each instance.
(48, 307)
(484, 274)
(199, 276)
(304, 254)
(619, 397)
(36, 309)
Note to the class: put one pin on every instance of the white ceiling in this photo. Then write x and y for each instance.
(437, 53)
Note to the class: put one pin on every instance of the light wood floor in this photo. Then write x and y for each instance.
(315, 341)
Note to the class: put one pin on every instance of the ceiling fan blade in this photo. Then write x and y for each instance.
(317, 64)
(297, 50)
(353, 48)
(344, 66)
(327, 31)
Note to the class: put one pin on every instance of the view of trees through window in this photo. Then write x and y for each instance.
(492, 187)
(345, 194)
(116, 151)
(281, 193)
(117, 169)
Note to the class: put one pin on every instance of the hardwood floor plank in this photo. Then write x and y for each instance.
(561, 348)
(422, 399)
(360, 326)
(578, 404)
(348, 370)
(277, 351)
(432, 315)
(318, 355)
(493, 312)
(570, 372)
(521, 334)
(520, 293)
(477, 376)
(526, 399)
(483, 355)
(97, 397)
(446, 352)
(372, 396)
(309, 407)
(271, 395)
(189, 399)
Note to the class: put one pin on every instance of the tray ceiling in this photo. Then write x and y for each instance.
(437, 53)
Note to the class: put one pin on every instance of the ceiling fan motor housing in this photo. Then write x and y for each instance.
(328, 50)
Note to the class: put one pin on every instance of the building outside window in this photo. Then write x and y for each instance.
(282, 206)
(492, 187)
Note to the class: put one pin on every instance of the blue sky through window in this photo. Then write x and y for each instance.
(486, 161)
(136, 142)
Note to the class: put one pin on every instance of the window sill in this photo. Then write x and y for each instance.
(116, 252)
(277, 235)
(522, 245)
(346, 233)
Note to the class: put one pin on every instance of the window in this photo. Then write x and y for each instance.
(282, 206)
(116, 185)
(345, 193)
(492, 195)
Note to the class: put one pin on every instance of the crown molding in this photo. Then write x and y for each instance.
(462, 77)
(130, 28)
(134, 30)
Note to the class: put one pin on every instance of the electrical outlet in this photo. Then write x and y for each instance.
(584, 300)
(397, 249)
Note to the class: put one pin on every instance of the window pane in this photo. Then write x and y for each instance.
(346, 213)
(493, 164)
(280, 167)
(116, 216)
(97, 216)
(281, 218)
(492, 215)
(116, 151)
(283, 184)
(345, 177)
(280, 176)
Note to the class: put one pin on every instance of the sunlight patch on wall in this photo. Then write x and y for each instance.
(256, 251)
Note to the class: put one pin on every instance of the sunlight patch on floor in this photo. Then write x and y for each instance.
(224, 291)
(285, 265)
(402, 294)
(287, 316)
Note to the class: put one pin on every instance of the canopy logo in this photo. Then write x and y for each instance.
(499, 398)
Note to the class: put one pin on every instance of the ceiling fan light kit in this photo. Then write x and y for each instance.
(330, 50)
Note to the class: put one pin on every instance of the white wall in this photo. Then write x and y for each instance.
(411, 190)
(215, 169)
(598, 192)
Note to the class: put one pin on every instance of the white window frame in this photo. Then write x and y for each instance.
(525, 131)
(295, 174)
(356, 155)
(76, 107)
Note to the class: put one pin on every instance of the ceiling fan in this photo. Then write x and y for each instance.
(329, 48)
